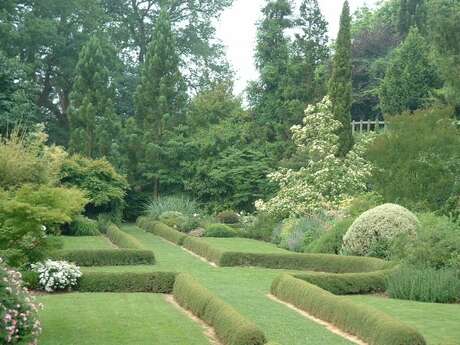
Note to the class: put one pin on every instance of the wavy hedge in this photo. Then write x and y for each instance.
(231, 327)
(121, 238)
(369, 324)
(348, 283)
(160, 229)
(106, 257)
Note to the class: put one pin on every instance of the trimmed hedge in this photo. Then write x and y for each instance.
(231, 327)
(306, 262)
(369, 324)
(106, 257)
(121, 238)
(156, 282)
(160, 229)
(348, 283)
(203, 249)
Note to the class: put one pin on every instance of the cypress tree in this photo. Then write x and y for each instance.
(340, 84)
(94, 125)
(160, 102)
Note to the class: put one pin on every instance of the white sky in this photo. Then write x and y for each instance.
(237, 30)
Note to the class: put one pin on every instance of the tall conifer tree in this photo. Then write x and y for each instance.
(94, 125)
(160, 102)
(340, 84)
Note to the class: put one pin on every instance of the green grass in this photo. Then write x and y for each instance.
(116, 318)
(438, 323)
(86, 242)
(243, 245)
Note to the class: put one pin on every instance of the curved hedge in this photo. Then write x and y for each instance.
(121, 238)
(231, 327)
(348, 283)
(160, 229)
(106, 257)
(371, 325)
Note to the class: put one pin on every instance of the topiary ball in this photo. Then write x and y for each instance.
(228, 217)
(374, 231)
(220, 230)
(173, 219)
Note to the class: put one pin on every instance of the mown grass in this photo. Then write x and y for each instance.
(438, 323)
(116, 318)
(243, 245)
(85, 242)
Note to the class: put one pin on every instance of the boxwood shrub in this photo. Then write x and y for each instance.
(220, 230)
(348, 283)
(230, 326)
(203, 249)
(369, 324)
(160, 229)
(106, 257)
(156, 282)
(307, 262)
(121, 238)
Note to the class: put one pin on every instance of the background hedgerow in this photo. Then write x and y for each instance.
(106, 257)
(82, 226)
(231, 327)
(220, 230)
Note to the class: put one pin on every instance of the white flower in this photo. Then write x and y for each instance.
(57, 275)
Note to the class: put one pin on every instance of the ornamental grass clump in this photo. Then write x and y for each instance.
(374, 231)
(56, 275)
(19, 322)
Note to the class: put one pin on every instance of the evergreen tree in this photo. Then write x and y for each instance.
(310, 53)
(340, 84)
(94, 125)
(409, 78)
(267, 96)
(411, 13)
(160, 102)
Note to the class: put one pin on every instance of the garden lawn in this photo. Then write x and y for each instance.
(438, 323)
(115, 318)
(243, 245)
(86, 242)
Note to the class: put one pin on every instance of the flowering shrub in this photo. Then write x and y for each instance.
(326, 180)
(374, 231)
(18, 310)
(56, 275)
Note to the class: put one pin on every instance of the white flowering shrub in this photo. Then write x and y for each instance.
(373, 232)
(326, 180)
(19, 322)
(56, 275)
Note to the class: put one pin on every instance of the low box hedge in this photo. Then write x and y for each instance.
(230, 326)
(369, 324)
(203, 249)
(156, 282)
(121, 239)
(348, 283)
(307, 262)
(162, 230)
(106, 257)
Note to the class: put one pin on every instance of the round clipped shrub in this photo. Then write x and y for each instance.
(228, 217)
(19, 322)
(83, 226)
(374, 231)
(220, 230)
(173, 219)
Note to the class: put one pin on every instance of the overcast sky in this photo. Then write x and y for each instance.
(237, 30)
